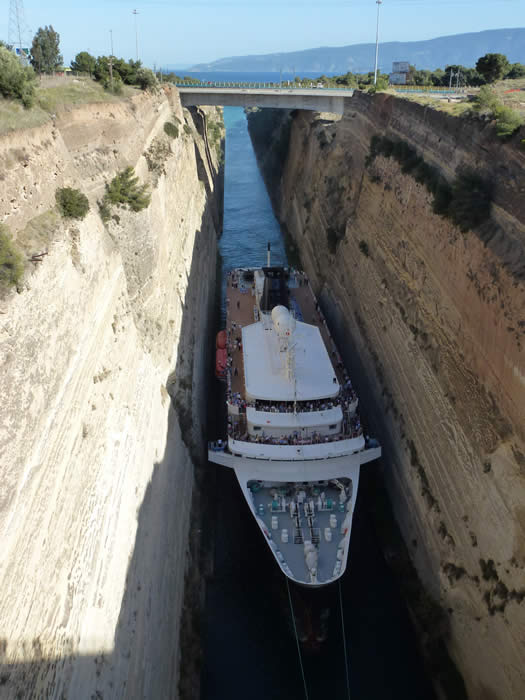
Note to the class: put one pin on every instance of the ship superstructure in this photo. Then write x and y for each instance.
(294, 435)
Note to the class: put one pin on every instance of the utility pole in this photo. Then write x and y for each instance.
(135, 12)
(111, 60)
(378, 2)
(18, 36)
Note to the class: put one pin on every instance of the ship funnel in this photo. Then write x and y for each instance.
(268, 255)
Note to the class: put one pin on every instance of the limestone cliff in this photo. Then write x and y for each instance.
(96, 461)
(432, 320)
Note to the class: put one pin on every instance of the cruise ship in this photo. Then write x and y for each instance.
(294, 437)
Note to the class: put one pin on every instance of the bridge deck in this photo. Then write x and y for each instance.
(316, 99)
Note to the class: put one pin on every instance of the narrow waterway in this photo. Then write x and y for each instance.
(249, 647)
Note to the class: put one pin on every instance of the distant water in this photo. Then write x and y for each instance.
(249, 222)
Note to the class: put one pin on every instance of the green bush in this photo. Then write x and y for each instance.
(466, 201)
(470, 204)
(124, 189)
(486, 101)
(187, 129)
(114, 85)
(171, 129)
(146, 79)
(104, 210)
(11, 261)
(508, 121)
(73, 204)
(16, 80)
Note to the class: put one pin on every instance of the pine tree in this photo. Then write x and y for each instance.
(45, 50)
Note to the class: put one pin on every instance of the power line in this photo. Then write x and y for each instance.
(18, 33)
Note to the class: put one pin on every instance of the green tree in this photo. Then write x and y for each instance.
(101, 69)
(45, 51)
(146, 79)
(493, 66)
(84, 62)
(517, 70)
(125, 189)
(16, 80)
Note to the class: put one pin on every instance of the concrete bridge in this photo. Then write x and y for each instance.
(317, 99)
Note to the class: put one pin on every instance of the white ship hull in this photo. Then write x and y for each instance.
(314, 470)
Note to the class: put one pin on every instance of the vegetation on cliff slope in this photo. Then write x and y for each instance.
(72, 203)
(466, 201)
(16, 81)
(11, 261)
(124, 190)
(507, 120)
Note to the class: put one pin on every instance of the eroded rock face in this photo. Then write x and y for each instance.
(434, 321)
(96, 464)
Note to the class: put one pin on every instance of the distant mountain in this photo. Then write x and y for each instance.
(463, 49)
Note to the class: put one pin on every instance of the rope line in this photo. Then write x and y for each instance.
(297, 639)
(344, 640)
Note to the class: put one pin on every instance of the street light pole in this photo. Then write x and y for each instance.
(378, 3)
(111, 61)
(135, 12)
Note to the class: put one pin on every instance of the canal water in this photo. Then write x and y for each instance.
(249, 649)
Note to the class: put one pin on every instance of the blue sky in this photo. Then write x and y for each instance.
(184, 32)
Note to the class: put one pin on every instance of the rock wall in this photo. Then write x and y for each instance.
(433, 324)
(96, 461)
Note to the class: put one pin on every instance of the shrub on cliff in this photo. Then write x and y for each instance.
(146, 79)
(125, 190)
(16, 80)
(11, 261)
(466, 201)
(486, 103)
(508, 121)
(73, 204)
(470, 203)
(171, 129)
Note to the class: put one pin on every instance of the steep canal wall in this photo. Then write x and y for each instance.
(104, 355)
(432, 311)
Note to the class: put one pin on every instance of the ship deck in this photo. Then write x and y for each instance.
(241, 311)
(328, 534)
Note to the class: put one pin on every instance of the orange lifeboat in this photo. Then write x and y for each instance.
(220, 341)
(221, 362)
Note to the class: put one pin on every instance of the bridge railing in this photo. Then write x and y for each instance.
(254, 86)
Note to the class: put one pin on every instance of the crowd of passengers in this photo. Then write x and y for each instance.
(345, 399)
(351, 429)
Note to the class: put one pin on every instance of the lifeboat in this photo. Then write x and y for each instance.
(221, 362)
(220, 341)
